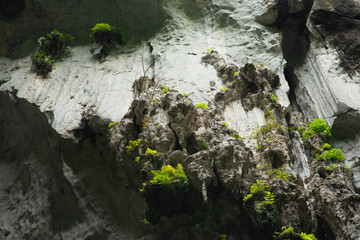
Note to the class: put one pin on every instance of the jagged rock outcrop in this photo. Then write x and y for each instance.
(261, 84)
(218, 163)
(37, 201)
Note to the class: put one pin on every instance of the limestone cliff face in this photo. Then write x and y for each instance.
(263, 69)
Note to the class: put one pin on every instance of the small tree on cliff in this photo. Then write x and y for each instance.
(107, 36)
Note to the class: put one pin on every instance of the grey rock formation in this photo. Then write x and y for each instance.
(262, 68)
(37, 201)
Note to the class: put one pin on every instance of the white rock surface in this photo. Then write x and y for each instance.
(325, 89)
(244, 122)
(80, 85)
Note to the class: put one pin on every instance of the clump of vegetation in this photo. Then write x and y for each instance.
(106, 36)
(145, 123)
(266, 203)
(202, 105)
(290, 234)
(224, 88)
(326, 146)
(334, 154)
(53, 46)
(273, 98)
(277, 173)
(150, 153)
(43, 63)
(223, 237)
(170, 176)
(316, 126)
(236, 73)
(210, 50)
(164, 89)
(271, 124)
(257, 188)
(332, 167)
(133, 145)
(226, 124)
(112, 124)
(203, 143)
(56, 44)
(145, 221)
(235, 135)
(262, 202)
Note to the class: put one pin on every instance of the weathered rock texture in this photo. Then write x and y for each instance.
(264, 68)
(37, 201)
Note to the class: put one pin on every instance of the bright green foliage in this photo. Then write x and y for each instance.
(334, 154)
(52, 46)
(64, 37)
(257, 187)
(224, 88)
(237, 136)
(316, 126)
(137, 159)
(165, 90)
(305, 236)
(107, 36)
(210, 50)
(150, 153)
(236, 73)
(226, 124)
(331, 168)
(100, 28)
(169, 176)
(133, 145)
(273, 97)
(145, 221)
(185, 95)
(202, 105)
(301, 129)
(112, 124)
(43, 63)
(41, 56)
(222, 237)
(326, 146)
(258, 147)
(268, 201)
(55, 44)
(289, 234)
(278, 173)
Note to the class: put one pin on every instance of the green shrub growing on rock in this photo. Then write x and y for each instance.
(133, 145)
(331, 168)
(290, 234)
(53, 46)
(170, 176)
(150, 153)
(277, 173)
(202, 105)
(334, 154)
(107, 36)
(316, 126)
(56, 43)
(258, 187)
(43, 63)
